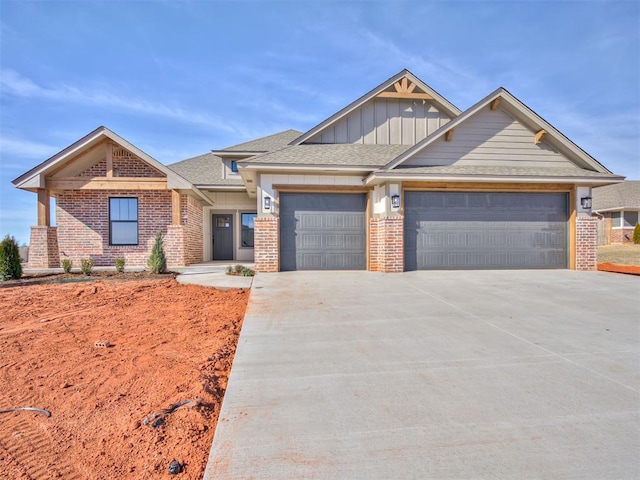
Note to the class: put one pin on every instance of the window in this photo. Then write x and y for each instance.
(630, 219)
(627, 219)
(123, 221)
(247, 229)
(234, 166)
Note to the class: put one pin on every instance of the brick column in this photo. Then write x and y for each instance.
(43, 248)
(266, 244)
(386, 244)
(174, 246)
(586, 243)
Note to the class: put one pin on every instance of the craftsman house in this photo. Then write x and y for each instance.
(618, 209)
(400, 179)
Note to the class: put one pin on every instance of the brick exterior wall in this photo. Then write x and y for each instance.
(622, 235)
(174, 242)
(83, 225)
(386, 244)
(586, 243)
(267, 244)
(97, 170)
(43, 248)
(126, 164)
(192, 218)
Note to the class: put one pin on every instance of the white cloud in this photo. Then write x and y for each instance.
(17, 147)
(13, 83)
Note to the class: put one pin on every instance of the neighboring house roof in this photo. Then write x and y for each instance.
(266, 144)
(330, 155)
(34, 178)
(620, 196)
(203, 170)
(437, 99)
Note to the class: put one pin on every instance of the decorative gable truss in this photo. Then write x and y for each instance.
(401, 111)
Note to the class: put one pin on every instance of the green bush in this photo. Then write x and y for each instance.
(86, 265)
(238, 268)
(230, 270)
(119, 264)
(246, 272)
(636, 234)
(67, 263)
(157, 261)
(10, 267)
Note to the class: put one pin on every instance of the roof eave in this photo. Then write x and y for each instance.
(592, 181)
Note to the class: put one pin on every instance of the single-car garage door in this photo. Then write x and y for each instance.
(322, 231)
(479, 230)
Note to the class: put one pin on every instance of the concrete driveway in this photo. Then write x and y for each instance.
(443, 375)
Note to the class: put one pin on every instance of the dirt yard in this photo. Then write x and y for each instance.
(109, 360)
(619, 258)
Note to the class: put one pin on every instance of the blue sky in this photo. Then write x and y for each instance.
(179, 78)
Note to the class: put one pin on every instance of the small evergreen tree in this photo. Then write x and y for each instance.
(636, 234)
(10, 267)
(157, 261)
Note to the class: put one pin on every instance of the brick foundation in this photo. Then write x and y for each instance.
(586, 243)
(43, 248)
(267, 244)
(386, 244)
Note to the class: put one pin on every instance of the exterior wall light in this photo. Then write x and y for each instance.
(585, 202)
(395, 201)
(267, 203)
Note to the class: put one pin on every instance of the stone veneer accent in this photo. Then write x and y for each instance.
(586, 243)
(43, 248)
(267, 244)
(386, 244)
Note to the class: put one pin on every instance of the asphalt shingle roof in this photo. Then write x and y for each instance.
(204, 170)
(620, 195)
(266, 144)
(350, 155)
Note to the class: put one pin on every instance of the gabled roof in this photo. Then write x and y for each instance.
(34, 177)
(621, 196)
(265, 144)
(330, 155)
(204, 170)
(438, 100)
(524, 114)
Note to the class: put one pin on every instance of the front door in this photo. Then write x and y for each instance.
(223, 237)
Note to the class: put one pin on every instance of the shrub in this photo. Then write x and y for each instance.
(67, 263)
(157, 261)
(238, 268)
(119, 264)
(636, 234)
(230, 270)
(246, 272)
(10, 267)
(86, 265)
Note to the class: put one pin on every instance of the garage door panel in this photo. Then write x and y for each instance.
(458, 230)
(322, 231)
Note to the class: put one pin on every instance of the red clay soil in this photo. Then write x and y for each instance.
(610, 267)
(101, 357)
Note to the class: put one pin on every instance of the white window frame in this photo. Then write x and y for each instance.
(622, 220)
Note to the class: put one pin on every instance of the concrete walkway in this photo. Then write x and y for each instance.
(442, 375)
(213, 274)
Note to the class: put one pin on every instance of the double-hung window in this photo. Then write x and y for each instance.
(123, 221)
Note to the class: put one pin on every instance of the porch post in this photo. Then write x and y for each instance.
(176, 208)
(44, 217)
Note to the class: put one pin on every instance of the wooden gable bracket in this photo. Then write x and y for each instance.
(404, 89)
(448, 135)
(494, 103)
(539, 136)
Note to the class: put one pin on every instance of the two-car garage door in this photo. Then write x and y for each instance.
(480, 230)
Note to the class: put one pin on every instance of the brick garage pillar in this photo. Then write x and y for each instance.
(386, 244)
(43, 248)
(266, 244)
(174, 246)
(586, 243)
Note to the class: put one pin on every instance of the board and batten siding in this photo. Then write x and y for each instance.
(490, 138)
(385, 121)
